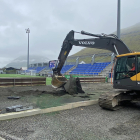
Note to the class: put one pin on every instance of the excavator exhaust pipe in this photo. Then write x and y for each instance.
(72, 86)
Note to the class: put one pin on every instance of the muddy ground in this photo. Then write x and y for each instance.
(47, 96)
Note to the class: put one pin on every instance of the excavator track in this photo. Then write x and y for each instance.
(110, 101)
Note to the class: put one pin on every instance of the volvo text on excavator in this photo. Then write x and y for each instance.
(125, 77)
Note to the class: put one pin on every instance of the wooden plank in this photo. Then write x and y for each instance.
(22, 78)
(42, 79)
(22, 81)
(92, 79)
(6, 80)
(7, 84)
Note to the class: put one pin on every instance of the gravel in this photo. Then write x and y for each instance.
(84, 123)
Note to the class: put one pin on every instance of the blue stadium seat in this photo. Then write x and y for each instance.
(66, 68)
(89, 69)
(39, 69)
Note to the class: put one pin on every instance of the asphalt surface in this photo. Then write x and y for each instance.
(84, 123)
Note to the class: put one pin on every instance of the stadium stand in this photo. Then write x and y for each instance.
(31, 68)
(74, 65)
(37, 69)
(89, 69)
(84, 69)
(66, 68)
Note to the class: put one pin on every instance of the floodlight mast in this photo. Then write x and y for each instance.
(118, 19)
(28, 31)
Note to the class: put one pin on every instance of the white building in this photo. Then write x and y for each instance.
(1, 71)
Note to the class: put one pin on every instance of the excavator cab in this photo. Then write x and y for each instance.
(126, 77)
(127, 71)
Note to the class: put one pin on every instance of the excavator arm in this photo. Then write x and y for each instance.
(108, 42)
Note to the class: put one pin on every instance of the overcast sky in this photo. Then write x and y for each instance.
(50, 21)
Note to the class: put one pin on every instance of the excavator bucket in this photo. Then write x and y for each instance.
(73, 86)
(58, 81)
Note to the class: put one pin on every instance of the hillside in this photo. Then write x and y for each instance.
(22, 61)
(130, 36)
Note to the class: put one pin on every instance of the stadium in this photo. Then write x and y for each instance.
(88, 65)
(80, 68)
(53, 89)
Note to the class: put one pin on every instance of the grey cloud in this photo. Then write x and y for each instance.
(51, 20)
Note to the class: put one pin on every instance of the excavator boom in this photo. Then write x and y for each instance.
(108, 42)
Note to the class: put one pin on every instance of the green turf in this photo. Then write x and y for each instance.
(48, 81)
(15, 75)
(49, 100)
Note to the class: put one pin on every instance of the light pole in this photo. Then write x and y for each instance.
(28, 31)
(118, 20)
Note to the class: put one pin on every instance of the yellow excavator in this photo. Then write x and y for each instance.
(126, 74)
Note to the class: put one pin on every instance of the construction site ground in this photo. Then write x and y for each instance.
(46, 96)
(83, 123)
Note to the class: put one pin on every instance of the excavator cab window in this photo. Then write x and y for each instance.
(125, 67)
(138, 64)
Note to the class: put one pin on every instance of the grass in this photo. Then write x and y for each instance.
(49, 100)
(48, 80)
(15, 76)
